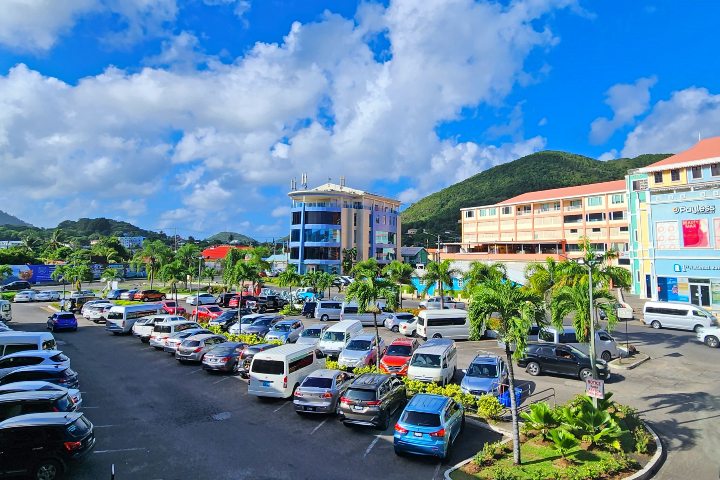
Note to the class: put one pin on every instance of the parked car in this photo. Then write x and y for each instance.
(24, 296)
(44, 445)
(193, 348)
(62, 321)
(560, 359)
(262, 325)
(128, 294)
(397, 357)
(21, 403)
(63, 376)
(434, 303)
(161, 331)
(408, 327)
(285, 331)
(148, 295)
(233, 302)
(223, 299)
(307, 294)
(224, 320)
(320, 392)
(362, 350)
(15, 286)
(98, 313)
(248, 353)
(4, 328)
(605, 345)
(485, 374)
(31, 386)
(47, 296)
(372, 399)
(434, 361)
(201, 299)
(267, 303)
(175, 339)
(224, 357)
(311, 335)
(327, 310)
(171, 307)
(392, 321)
(115, 294)
(203, 313)
(242, 325)
(429, 425)
(308, 310)
(677, 315)
(85, 308)
(143, 328)
(26, 358)
(710, 336)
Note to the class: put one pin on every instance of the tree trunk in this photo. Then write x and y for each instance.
(442, 295)
(513, 406)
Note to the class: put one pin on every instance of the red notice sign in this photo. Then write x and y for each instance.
(595, 388)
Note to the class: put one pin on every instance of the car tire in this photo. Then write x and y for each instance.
(448, 451)
(697, 328)
(399, 453)
(585, 373)
(384, 423)
(162, 298)
(462, 425)
(607, 356)
(48, 469)
(533, 368)
(395, 329)
(712, 341)
(437, 335)
(324, 318)
(656, 325)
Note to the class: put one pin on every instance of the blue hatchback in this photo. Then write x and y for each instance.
(429, 425)
(62, 321)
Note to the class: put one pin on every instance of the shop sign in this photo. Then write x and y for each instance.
(694, 209)
(678, 267)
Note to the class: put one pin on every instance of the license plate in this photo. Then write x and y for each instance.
(310, 409)
(357, 407)
(417, 434)
(266, 384)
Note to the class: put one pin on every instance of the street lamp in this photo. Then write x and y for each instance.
(197, 300)
(590, 263)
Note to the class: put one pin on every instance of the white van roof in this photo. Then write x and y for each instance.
(176, 322)
(436, 347)
(344, 325)
(442, 313)
(15, 335)
(654, 303)
(284, 351)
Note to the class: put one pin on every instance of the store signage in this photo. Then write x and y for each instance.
(695, 268)
(695, 209)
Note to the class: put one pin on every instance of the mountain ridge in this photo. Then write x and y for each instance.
(7, 219)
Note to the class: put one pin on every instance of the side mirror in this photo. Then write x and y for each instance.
(464, 371)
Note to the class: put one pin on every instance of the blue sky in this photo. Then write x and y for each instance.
(195, 115)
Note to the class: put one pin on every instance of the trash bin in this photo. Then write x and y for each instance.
(504, 397)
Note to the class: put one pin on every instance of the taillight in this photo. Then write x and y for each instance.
(400, 429)
(72, 446)
(56, 409)
(344, 400)
(225, 359)
(198, 349)
(326, 395)
(373, 403)
(298, 393)
(285, 381)
(439, 433)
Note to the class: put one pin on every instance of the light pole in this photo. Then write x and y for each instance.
(197, 300)
(590, 263)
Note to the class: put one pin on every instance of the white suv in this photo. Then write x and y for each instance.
(710, 336)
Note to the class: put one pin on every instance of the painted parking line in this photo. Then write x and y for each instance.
(318, 427)
(121, 450)
(85, 408)
(221, 380)
(370, 447)
(281, 406)
(437, 470)
(195, 371)
(104, 426)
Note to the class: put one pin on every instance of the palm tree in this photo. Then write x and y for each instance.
(5, 271)
(400, 274)
(312, 279)
(480, 272)
(209, 274)
(325, 281)
(56, 239)
(30, 242)
(439, 274)
(575, 299)
(153, 255)
(172, 273)
(289, 278)
(233, 256)
(366, 290)
(516, 308)
(242, 272)
(542, 278)
(603, 272)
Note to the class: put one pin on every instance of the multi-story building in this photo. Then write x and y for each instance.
(675, 220)
(131, 243)
(331, 218)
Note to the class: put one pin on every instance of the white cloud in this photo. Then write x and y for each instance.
(627, 101)
(180, 52)
(281, 212)
(674, 124)
(611, 154)
(240, 7)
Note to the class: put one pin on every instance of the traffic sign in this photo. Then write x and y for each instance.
(595, 388)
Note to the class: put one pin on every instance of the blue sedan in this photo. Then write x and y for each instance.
(62, 321)
(429, 425)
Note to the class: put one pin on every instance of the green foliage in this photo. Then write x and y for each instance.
(643, 439)
(489, 407)
(7, 295)
(563, 441)
(501, 473)
(365, 369)
(541, 418)
(289, 309)
(5, 271)
(439, 275)
(539, 171)
(413, 387)
(575, 299)
(227, 237)
(331, 364)
(488, 454)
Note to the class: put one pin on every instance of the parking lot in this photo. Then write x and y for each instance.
(157, 419)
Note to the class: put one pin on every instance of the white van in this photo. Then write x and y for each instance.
(162, 330)
(336, 337)
(11, 342)
(350, 311)
(5, 311)
(449, 323)
(328, 310)
(684, 316)
(434, 361)
(121, 318)
(605, 345)
(278, 371)
(145, 326)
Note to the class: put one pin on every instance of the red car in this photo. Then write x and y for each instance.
(233, 302)
(172, 308)
(397, 356)
(147, 295)
(207, 312)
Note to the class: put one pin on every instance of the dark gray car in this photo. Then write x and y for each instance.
(320, 392)
(262, 325)
(193, 348)
(372, 399)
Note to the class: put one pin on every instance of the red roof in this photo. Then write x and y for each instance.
(220, 251)
(708, 149)
(567, 192)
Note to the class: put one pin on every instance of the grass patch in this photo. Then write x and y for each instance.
(126, 302)
(7, 296)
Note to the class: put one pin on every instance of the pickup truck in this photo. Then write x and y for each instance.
(434, 303)
(269, 302)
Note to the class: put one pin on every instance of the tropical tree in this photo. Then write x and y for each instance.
(109, 274)
(516, 309)
(56, 239)
(172, 273)
(289, 278)
(257, 256)
(245, 271)
(439, 274)
(311, 279)
(479, 272)
(153, 255)
(400, 274)
(30, 242)
(232, 257)
(366, 290)
(5, 271)
(349, 257)
(325, 281)
(208, 273)
(542, 278)
(575, 299)
(603, 272)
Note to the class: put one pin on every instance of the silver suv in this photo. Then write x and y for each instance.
(193, 348)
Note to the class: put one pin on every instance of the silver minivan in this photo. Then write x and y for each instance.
(328, 310)
(605, 345)
(684, 316)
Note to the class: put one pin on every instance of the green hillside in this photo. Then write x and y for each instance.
(7, 219)
(440, 211)
(227, 237)
(90, 228)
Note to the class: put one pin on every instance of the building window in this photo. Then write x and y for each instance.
(573, 230)
(321, 253)
(492, 211)
(639, 185)
(483, 212)
(295, 235)
(675, 175)
(469, 214)
(596, 230)
(594, 201)
(619, 215)
(595, 217)
(715, 169)
(618, 198)
(572, 218)
(294, 253)
(524, 210)
(506, 210)
(657, 177)
(320, 218)
(296, 218)
(623, 229)
(385, 237)
(385, 254)
(574, 205)
(322, 235)
(696, 172)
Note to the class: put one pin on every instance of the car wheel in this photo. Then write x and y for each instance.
(48, 470)
(437, 335)
(655, 324)
(533, 368)
(395, 329)
(399, 453)
(607, 356)
(347, 425)
(162, 298)
(697, 328)
(448, 451)
(462, 425)
(585, 373)
(384, 423)
(324, 318)
(712, 341)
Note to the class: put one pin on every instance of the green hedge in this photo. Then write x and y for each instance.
(8, 296)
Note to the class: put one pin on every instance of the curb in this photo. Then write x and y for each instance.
(647, 472)
(630, 366)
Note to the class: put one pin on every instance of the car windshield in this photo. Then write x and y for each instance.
(421, 419)
(170, 304)
(411, 320)
(425, 360)
(191, 343)
(215, 309)
(482, 370)
(317, 382)
(263, 322)
(247, 321)
(360, 345)
(311, 333)
(406, 317)
(578, 352)
(282, 327)
(118, 316)
(399, 350)
(227, 315)
(360, 394)
(334, 336)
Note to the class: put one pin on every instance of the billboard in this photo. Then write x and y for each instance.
(696, 233)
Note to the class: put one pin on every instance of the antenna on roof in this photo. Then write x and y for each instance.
(303, 180)
(699, 137)
(293, 185)
(342, 182)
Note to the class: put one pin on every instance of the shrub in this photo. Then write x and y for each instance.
(563, 441)
(643, 439)
(332, 364)
(489, 407)
(540, 418)
(366, 369)
(486, 456)
(7, 296)
(289, 309)
(503, 473)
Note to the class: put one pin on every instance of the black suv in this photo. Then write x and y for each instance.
(59, 375)
(265, 303)
(372, 399)
(560, 359)
(17, 285)
(42, 445)
(223, 299)
(21, 403)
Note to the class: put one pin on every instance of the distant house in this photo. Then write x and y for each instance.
(278, 262)
(131, 243)
(220, 251)
(10, 243)
(414, 255)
